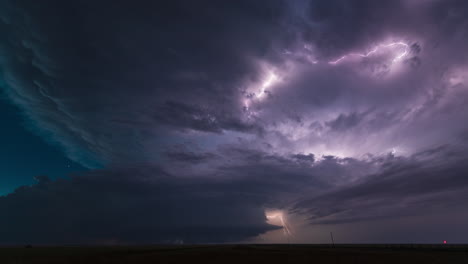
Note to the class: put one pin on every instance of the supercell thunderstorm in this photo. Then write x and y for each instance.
(195, 117)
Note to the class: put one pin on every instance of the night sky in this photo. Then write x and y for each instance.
(247, 121)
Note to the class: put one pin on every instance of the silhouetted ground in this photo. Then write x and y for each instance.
(239, 254)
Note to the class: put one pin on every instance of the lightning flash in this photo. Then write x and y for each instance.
(375, 50)
(270, 80)
(271, 77)
(273, 216)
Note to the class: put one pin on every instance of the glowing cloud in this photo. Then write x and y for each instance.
(270, 80)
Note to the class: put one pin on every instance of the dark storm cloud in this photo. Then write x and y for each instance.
(222, 109)
(341, 25)
(94, 75)
(111, 81)
(425, 182)
(184, 116)
(146, 204)
(189, 156)
(131, 206)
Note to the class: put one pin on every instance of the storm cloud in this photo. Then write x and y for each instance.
(196, 117)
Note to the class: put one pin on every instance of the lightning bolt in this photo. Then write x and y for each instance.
(374, 50)
(272, 78)
(286, 230)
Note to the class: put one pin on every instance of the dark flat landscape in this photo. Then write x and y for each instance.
(407, 253)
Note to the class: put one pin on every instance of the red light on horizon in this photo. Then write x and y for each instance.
(445, 241)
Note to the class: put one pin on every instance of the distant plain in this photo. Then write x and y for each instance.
(239, 254)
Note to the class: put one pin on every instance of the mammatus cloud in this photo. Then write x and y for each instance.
(334, 110)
